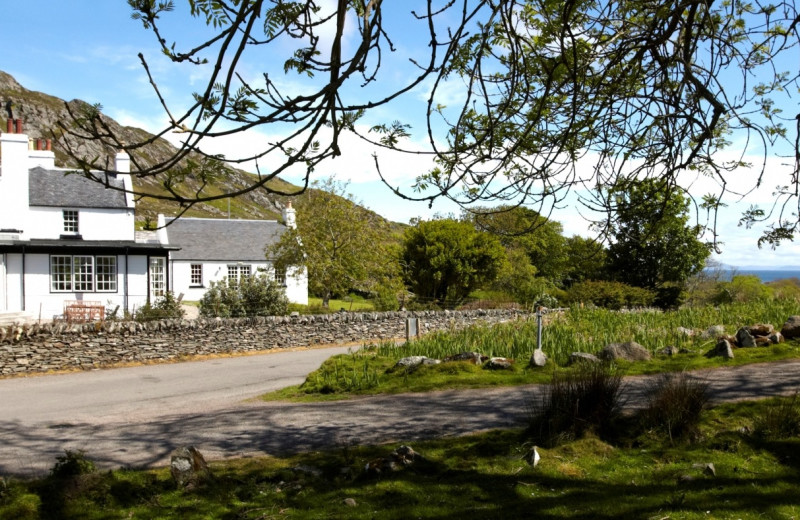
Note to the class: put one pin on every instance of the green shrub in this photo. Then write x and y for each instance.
(780, 420)
(742, 288)
(610, 295)
(586, 399)
(72, 464)
(674, 404)
(166, 307)
(249, 296)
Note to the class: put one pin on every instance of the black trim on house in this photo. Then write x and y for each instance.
(87, 247)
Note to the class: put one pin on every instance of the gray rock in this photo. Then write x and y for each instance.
(669, 350)
(413, 361)
(775, 338)
(188, 467)
(350, 502)
(476, 358)
(744, 339)
(582, 357)
(791, 329)
(538, 358)
(683, 331)
(499, 363)
(761, 329)
(629, 351)
(723, 349)
(714, 331)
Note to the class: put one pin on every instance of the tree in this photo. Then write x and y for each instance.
(342, 245)
(653, 246)
(447, 259)
(638, 88)
(585, 260)
(257, 295)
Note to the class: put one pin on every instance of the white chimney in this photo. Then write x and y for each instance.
(122, 164)
(40, 153)
(14, 177)
(289, 217)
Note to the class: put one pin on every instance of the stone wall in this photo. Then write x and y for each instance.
(60, 346)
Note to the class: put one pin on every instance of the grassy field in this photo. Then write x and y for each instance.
(638, 475)
(371, 370)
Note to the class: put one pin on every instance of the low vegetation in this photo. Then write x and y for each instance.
(726, 470)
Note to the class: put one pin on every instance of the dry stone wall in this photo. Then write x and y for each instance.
(60, 346)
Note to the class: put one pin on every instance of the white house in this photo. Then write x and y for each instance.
(215, 249)
(65, 239)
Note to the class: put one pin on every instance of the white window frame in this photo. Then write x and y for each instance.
(106, 274)
(279, 276)
(60, 273)
(157, 272)
(195, 275)
(237, 271)
(71, 221)
(83, 274)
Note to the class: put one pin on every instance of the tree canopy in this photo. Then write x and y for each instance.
(517, 93)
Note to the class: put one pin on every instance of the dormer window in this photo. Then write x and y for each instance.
(71, 221)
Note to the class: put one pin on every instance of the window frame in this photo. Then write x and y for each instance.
(106, 274)
(157, 279)
(195, 275)
(71, 221)
(237, 271)
(83, 274)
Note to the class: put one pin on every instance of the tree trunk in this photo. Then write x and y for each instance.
(326, 297)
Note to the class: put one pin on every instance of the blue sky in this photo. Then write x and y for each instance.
(88, 50)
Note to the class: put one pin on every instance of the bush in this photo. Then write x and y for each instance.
(587, 399)
(165, 308)
(780, 420)
(610, 295)
(72, 464)
(742, 288)
(249, 296)
(674, 404)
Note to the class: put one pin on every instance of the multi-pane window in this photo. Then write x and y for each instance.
(106, 273)
(236, 272)
(82, 273)
(279, 276)
(70, 221)
(196, 275)
(158, 276)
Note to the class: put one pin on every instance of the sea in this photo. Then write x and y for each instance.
(766, 275)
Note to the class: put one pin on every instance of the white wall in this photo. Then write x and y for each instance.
(93, 224)
(296, 288)
(3, 294)
(14, 181)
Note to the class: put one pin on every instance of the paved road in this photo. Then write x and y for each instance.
(116, 433)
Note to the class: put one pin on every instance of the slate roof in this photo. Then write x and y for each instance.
(222, 239)
(53, 188)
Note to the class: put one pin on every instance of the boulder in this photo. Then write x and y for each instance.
(476, 358)
(744, 339)
(791, 329)
(582, 357)
(629, 351)
(415, 361)
(762, 341)
(538, 358)
(723, 349)
(188, 467)
(761, 329)
(399, 458)
(499, 363)
(714, 331)
(776, 337)
(669, 350)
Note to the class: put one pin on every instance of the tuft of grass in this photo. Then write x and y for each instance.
(587, 399)
(675, 403)
(780, 419)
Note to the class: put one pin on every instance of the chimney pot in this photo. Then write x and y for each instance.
(19, 125)
(10, 126)
(49, 144)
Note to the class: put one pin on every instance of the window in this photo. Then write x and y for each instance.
(236, 272)
(196, 275)
(279, 276)
(82, 273)
(158, 278)
(70, 221)
(106, 274)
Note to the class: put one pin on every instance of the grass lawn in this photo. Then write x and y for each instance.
(638, 475)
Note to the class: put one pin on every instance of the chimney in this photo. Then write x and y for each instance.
(10, 126)
(289, 217)
(40, 155)
(122, 164)
(18, 123)
(14, 178)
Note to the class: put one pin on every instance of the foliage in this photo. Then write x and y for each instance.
(166, 307)
(587, 399)
(610, 295)
(256, 295)
(779, 419)
(342, 245)
(72, 464)
(585, 260)
(675, 403)
(446, 259)
(741, 288)
(652, 243)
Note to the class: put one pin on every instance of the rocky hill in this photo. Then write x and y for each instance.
(41, 112)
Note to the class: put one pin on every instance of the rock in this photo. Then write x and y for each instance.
(630, 351)
(791, 329)
(775, 338)
(538, 358)
(722, 349)
(188, 467)
(669, 350)
(683, 331)
(308, 470)
(350, 502)
(582, 357)
(761, 329)
(532, 457)
(499, 363)
(476, 358)
(762, 341)
(714, 331)
(744, 339)
(402, 456)
(707, 468)
(414, 361)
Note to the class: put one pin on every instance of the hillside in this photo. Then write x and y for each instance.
(40, 113)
